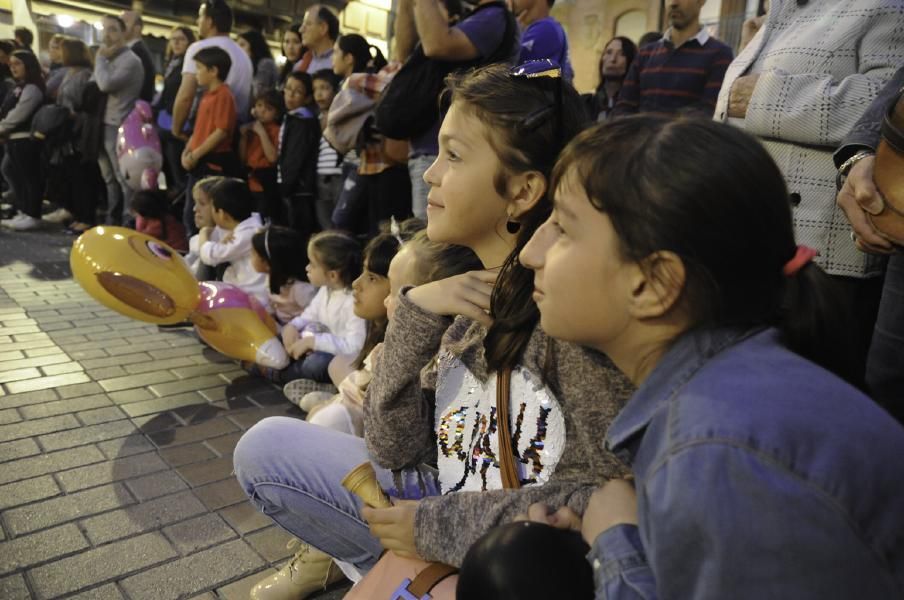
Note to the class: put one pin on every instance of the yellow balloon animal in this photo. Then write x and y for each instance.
(142, 278)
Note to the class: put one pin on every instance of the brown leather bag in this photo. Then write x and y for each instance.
(397, 578)
(888, 174)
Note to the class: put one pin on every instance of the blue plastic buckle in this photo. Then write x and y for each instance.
(402, 593)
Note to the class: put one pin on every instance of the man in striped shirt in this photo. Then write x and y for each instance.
(681, 73)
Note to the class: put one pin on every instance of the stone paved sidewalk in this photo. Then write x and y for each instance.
(116, 443)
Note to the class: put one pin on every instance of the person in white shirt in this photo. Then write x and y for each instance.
(328, 326)
(203, 213)
(232, 204)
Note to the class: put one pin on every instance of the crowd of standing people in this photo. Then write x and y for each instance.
(638, 343)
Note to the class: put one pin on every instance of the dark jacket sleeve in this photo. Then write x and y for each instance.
(866, 132)
(150, 71)
(298, 155)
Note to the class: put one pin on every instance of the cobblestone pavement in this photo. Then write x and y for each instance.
(116, 443)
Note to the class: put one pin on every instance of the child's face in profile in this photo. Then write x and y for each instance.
(401, 273)
(203, 213)
(204, 75)
(369, 292)
(264, 113)
(323, 94)
(317, 273)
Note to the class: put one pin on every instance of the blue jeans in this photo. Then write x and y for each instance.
(885, 362)
(291, 471)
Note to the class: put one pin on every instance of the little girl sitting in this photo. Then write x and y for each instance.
(152, 217)
(276, 251)
(417, 262)
(328, 326)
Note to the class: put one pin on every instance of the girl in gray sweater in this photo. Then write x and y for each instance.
(432, 429)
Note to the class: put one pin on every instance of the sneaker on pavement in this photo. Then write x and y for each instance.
(309, 571)
(296, 390)
(60, 215)
(12, 220)
(312, 400)
(25, 223)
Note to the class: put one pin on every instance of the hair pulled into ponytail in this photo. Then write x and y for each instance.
(367, 57)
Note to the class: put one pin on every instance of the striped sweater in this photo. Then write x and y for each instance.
(666, 79)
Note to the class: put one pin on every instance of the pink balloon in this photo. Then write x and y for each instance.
(138, 148)
(236, 324)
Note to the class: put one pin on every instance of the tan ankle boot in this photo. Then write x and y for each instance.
(309, 571)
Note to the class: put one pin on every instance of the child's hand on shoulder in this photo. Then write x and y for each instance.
(467, 294)
(228, 238)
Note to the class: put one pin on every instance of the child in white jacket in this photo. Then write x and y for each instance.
(328, 326)
(232, 203)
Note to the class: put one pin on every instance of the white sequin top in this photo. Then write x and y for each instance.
(467, 440)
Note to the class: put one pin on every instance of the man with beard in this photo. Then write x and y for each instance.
(682, 72)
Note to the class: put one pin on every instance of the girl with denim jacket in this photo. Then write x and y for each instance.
(759, 472)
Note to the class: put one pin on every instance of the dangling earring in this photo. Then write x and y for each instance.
(512, 227)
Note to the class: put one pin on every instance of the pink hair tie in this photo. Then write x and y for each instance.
(803, 256)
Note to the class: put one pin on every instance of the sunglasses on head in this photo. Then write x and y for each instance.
(536, 69)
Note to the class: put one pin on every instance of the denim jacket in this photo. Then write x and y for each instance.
(758, 475)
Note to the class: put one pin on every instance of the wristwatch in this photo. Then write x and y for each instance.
(847, 165)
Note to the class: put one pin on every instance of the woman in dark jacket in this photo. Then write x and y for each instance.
(22, 162)
(79, 172)
(180, 39)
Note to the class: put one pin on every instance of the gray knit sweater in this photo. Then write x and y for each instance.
(402, 430)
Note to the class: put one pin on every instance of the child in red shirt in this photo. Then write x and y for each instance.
(259, 151)
(210, 149)
(152, 217)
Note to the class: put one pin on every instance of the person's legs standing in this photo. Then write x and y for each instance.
(109, 170)
(8, 171)
(328, 188)
(417, 166)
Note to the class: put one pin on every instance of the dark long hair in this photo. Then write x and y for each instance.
(505, 105)
(33, 73)
(378, 253)
(360, 49)
(189, 35)
(259, 48)
(721, 205)
(285, 252)
(629, 49)
(289, 65)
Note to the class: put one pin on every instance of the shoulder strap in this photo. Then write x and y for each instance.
(510, 479)
(427, 579)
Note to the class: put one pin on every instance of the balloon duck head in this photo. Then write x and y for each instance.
(142, 278)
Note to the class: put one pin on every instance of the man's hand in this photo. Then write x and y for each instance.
(394, 526)
(188, 160)
(859, 196)
(740, 94)
(749, 29)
